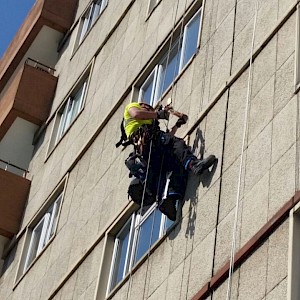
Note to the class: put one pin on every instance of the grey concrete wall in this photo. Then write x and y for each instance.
(96, 190)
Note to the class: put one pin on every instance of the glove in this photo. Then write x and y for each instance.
(181, 121)
(163, 114)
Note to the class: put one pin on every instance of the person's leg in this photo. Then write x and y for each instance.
(185, 156)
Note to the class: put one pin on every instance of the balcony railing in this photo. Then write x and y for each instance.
(39, 66)
(7, 166)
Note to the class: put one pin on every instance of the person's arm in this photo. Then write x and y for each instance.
(181, 121)
(141, 114)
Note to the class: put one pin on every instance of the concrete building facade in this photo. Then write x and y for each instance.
(67, 227)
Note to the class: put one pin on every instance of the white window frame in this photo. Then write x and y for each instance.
(136, 221)
(48, 224)
(91, 15)
(131, 220)
(155, 75)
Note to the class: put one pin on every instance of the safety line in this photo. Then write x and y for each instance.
(246, 117)
(145, 183)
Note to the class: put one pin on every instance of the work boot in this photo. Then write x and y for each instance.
(197, 166)
(168, 208)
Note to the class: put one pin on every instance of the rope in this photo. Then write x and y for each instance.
(297, 159)
(142, 205)
(147, 172)
(169, 53)
(234, 231)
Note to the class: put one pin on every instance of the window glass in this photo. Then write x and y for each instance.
(148, 233)
(122, 243)
(169, 67)
(42, 232)
(54, 216)
(134, 240)
(35, 240)
(70, 111)
(90, 17)
(190, 39)
(85, 25)
(147, 89)
(152, 4)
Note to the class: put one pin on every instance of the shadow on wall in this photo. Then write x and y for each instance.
(191, 193)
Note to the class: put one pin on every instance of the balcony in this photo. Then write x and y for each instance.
(13, 197)
(39, 36)
(29, 96)
(24, 106)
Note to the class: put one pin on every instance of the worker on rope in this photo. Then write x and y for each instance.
(168, 153)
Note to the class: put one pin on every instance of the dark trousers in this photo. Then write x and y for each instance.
(167, 153)
(165, 144)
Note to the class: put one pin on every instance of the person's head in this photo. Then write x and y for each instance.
(146, 106)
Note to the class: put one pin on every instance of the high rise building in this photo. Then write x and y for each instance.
(67, 227)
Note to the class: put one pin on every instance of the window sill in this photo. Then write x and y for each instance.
(32, 264)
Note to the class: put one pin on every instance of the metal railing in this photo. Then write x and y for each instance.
(34, 63)
(7, 166)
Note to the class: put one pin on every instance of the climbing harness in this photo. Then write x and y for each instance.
(149, 161)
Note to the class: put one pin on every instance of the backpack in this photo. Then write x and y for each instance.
(136, 190)
(123, 139)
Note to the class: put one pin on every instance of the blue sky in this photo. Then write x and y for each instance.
(12, 15)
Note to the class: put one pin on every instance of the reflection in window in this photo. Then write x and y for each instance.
(152, 4)
(90, 17)
(170, 67)
(70, 110)
(190, 39)
(134, 240)
(147, 233)
(165, 72)
(121, 254)
(147, 90)
(42, 232)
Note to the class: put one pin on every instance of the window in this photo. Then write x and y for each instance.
(89, 18)
(70, 110)
(152, 4)
(190, 39)
(42, 232)
(148, 89)
(134, 240)
(67, 113)
(173, 61)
